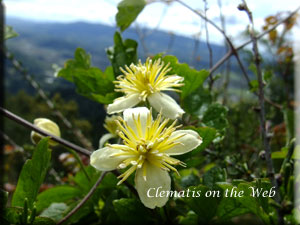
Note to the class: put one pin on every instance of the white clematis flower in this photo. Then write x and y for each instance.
(147, 149)
(144, 82)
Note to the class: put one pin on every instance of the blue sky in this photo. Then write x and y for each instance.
(174, 17)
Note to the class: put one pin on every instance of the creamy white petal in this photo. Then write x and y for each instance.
(122, 103)
(141, 112)
(156, 179)
(104, 160)
(188, 142)
(167, 105)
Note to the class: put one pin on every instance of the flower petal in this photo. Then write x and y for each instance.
(104, 160)
(167, 105)
(122, 103)
(143, 112)
(156, 179)
(188, 142)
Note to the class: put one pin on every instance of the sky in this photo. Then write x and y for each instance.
(173, 17)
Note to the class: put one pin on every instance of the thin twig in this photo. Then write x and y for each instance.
(230, 53)
(227, 39)
(27, 124)
(93, 189)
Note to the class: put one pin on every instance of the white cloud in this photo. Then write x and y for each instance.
(177, 18)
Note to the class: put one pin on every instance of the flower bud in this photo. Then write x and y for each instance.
(110, 124)
(46, 125)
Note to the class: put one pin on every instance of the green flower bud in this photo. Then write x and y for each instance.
(46, 125)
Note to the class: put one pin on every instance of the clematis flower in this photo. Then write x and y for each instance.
(145, 82)
(147, 149)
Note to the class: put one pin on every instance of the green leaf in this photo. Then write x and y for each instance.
(208, 134)
(55, 211)
(252, 203)
(205, 207)
(122, 53)
(215, 116)
(268, 74)
(90, 81)
(9, 33)
(82, 181)
(128, 10)
(131, 211)
(190, 219)
(279, 155)
(254, 85)
(56, 194)
(193, 79)
(229, 207)
(189, 180)
(214, 175)
(32, 175)
(200, 99)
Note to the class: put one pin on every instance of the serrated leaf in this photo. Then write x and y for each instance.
(193, 79)
(128, 10)
(122, 53)
(56, 194)
(32, 175)
(90, 81)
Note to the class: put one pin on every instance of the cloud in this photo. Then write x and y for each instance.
(176, 18)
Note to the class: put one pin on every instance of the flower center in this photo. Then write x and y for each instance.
(146, 79)
(146, 144)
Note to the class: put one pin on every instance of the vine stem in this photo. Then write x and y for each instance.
(262, 112)
(29, 125)
(84, 200)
